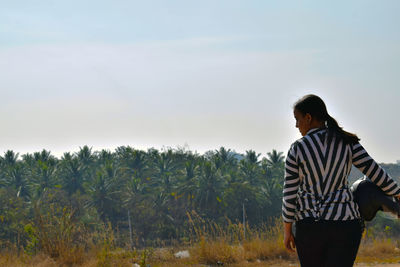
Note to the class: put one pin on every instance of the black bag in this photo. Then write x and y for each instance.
(370, 198)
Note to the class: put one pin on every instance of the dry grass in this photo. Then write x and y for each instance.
(255, 253)
(13, 260)
(59, 237)
(266, 244)
(238, 245)
(378, 250)
(234, 245)
(217, 251)
(258, 249)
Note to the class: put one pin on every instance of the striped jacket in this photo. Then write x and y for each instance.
(316, 172)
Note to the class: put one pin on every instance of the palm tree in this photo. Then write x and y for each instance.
(133, 162)
(250, 168)
(272, 169)
(227, 156)
(86, 156)
(165, 222)
(28, 160)
(8, 161)
(10, 158)
(275, 164)
(72, 174)
(105, 192)
(43, 178)
(210, 189)
(104, 156)
(275, 159)
(101, 194)
(134, 191)
(87, 159)
(242, 196)
(41, 172)
(224, 159)
(164, 170)
(252, 157)
(250, 172)
(188, 185)
(16, 178)
(44, 156)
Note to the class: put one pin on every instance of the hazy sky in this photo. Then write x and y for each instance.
(204, 73)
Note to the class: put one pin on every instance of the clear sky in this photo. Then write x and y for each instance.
(204, 73)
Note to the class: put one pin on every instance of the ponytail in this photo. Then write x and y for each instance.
(316, 107)
(334, 128)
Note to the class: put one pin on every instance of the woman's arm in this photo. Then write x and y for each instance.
(373, 171)
(288, 237)
(290, 188)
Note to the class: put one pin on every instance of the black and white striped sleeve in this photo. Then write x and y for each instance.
(290, 186)
(373, 171)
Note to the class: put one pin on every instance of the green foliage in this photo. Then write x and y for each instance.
(43, 199)
(383, 226)
(57, 232)
(146, 254)
(32, 241)
(13, 217)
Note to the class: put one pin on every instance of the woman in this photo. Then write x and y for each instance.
(316, 195)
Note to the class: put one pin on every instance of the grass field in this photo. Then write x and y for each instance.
(211, 245)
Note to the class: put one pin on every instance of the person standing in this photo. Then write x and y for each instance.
(316, 194)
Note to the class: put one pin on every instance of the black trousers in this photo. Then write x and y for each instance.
(327, 243)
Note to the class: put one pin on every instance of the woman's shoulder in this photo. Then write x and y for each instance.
(294, 146)
(301, 140)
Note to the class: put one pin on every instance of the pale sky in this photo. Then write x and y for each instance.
(204, 73)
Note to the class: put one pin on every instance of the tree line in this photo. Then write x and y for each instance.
(143, 195)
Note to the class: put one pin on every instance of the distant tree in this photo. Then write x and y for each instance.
(104, 191)
(132, 162)
(209, 193)
(156, 188)
(188, 182)
(275, 159)
(249, 168)
(43, 173)
(241, 196)
(15, 176)
(72, 173)
(13, 217)
(10, 158)
(164, 171)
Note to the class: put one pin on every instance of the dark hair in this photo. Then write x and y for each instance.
(315, 106)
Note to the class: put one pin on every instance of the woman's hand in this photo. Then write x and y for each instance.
(289, 238)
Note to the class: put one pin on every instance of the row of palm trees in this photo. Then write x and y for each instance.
(156, 188)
